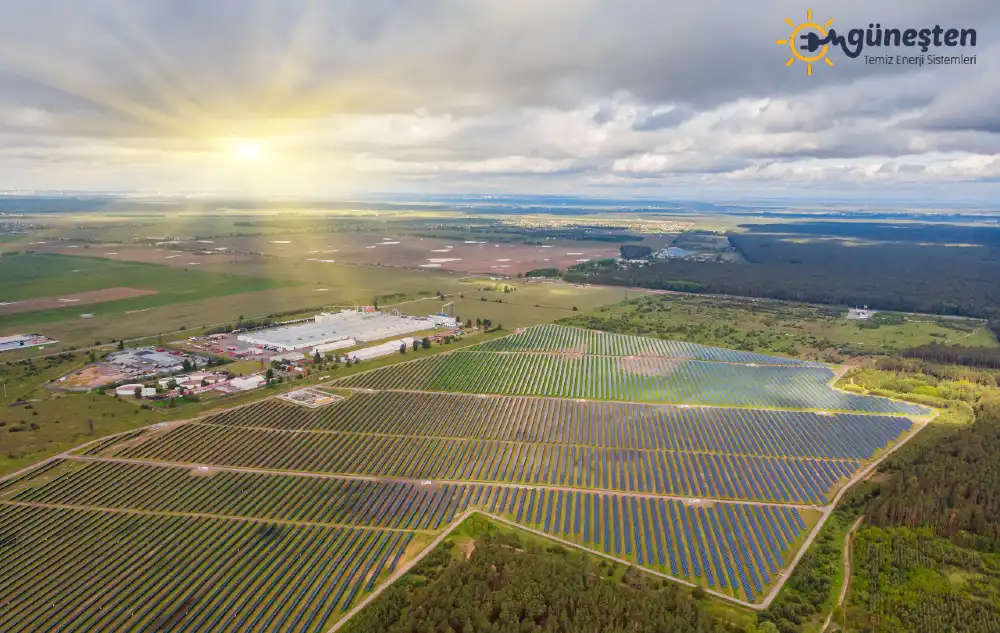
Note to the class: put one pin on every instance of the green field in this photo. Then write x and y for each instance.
(47, 422)
(39, 275)
(529, 304)
(188, 300)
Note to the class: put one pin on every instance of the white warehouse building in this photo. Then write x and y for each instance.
(329, 347)
(332, 327)
(376, 351)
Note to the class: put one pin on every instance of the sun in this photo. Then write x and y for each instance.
(247, 151)
(790, 42)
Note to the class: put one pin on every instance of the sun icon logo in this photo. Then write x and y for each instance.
(796, 30)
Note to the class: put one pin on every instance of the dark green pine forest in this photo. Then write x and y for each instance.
(509, 584)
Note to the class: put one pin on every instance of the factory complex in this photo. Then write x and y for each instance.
(338, 330)
(22, 341)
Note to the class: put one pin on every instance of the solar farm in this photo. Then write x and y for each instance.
(708, 466)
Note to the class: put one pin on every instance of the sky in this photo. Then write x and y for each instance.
(585, 97)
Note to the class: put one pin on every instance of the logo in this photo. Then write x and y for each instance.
(810, 43)
(797, 32)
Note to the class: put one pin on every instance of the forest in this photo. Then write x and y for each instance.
(928, 557)
(954, 489)
(956, 354)
(510, 584)
(949, 270)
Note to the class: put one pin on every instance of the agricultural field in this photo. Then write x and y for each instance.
(39, 288)
(409, 251)
(395, 244)
(278, 516)
(530, 303)
(176, 298)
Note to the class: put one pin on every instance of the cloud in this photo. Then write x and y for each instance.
(660, 118)
(572, 93)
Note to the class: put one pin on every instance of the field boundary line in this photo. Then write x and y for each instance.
(653, 572)
(761, 606)
(574, 355)
(846, 583)
(815, 364)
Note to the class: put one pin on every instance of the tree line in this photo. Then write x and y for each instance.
(954, 488)
(988, 357)
(906, 277)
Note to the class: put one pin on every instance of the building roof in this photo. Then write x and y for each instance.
(333, 327)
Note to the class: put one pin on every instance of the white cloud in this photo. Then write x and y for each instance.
(504, 93)
(498, 165)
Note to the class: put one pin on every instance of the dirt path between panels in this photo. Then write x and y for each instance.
(846, 583)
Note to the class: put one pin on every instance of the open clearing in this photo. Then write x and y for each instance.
(377, 249)
(367, 249)
(77, 299)
(260, 287)
(40, 276)
(274, 516)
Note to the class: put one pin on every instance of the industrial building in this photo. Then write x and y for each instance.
(856, 314)
(248, 383)
(129, 390)
(22, 341)
(360, 325)
(329, 347)
(376, 351)
(148, 360)
(290, 357)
